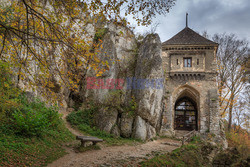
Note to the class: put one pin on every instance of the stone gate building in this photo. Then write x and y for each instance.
(190, 98)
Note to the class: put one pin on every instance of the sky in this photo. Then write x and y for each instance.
(213, 16)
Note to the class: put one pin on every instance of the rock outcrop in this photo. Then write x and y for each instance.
(118, 48)
(149, 90)
(131, 107)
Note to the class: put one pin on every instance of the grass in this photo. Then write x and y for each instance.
(192, 154)
(83, 120)
(21, 151)
(196, 153)
(31, 134)
(187, 155)
(238, 153)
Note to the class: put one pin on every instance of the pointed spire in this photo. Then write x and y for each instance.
(186, 19)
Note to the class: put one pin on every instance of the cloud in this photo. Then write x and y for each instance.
(214, 16)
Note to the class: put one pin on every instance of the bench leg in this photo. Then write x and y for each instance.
(82, 143)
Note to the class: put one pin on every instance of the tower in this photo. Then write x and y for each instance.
(191, 98)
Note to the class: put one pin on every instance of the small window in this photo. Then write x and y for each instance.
(187, 62)
(197, 61)
(177, 62)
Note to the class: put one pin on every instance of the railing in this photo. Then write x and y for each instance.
(188, 136)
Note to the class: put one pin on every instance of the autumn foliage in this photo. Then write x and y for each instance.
(238, 137)
(50, 43)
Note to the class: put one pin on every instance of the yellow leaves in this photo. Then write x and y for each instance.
(42, 44)
(6, 85)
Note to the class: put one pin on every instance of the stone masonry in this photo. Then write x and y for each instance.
(189, 63)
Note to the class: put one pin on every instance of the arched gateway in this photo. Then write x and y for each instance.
(186, 108)
(185, 114)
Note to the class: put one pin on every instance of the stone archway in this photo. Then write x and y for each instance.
(186, 108)
(185, 114)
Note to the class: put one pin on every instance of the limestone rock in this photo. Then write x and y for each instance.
(105, 118)
(115, 131)
(140, 129)
(151, 132)
(149, 75)
(118, 50)
(126, 125)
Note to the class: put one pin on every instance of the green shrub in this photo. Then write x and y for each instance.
(185, 156)
(34, 119)
(82, 117)
(114, 99)
(83, 120)
(8, 93)
(30, 123)
(100, 32)
(20, 116)
(31, 134)
(195, 140)
(19, 150)
(132, 107)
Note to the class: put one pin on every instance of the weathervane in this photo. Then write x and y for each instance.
(186, 19)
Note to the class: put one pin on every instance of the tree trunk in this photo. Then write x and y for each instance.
(230, 119)
(230, 111)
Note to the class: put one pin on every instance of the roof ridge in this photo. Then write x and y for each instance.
(187, 36)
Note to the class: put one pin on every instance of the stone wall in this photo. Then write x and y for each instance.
(200, 87)
(196, 67)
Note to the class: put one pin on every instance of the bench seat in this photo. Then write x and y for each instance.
(84, 139)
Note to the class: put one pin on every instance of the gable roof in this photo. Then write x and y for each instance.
(188, 37)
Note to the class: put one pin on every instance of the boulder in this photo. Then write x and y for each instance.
(126, 125)
(115, 131)
(151, 132)
(105, 118)
(140, 129)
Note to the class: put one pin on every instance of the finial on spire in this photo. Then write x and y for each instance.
(186, 19)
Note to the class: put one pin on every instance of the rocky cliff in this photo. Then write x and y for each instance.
(129, 94)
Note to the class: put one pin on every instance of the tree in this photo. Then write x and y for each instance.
(51, 41)
(241, 112)
(231, 59)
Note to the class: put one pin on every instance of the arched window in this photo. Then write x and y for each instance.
(185, 114)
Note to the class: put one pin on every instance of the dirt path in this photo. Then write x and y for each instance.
(67, 124)
(114, 155)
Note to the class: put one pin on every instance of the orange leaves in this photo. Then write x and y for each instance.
(238, 137)
(54, 39)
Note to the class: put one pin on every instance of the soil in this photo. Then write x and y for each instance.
(118, 156)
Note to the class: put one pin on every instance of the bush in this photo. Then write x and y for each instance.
(100, 32)
(239, 139)
(185, 156)
(30, 123)
(22, 124)
(82, 117)
(83, 120)
(8, 93)
(20, 116)
(34, 119)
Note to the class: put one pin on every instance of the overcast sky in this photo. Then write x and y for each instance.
(214, 16)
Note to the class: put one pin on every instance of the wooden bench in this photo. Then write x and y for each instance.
(84, 139)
